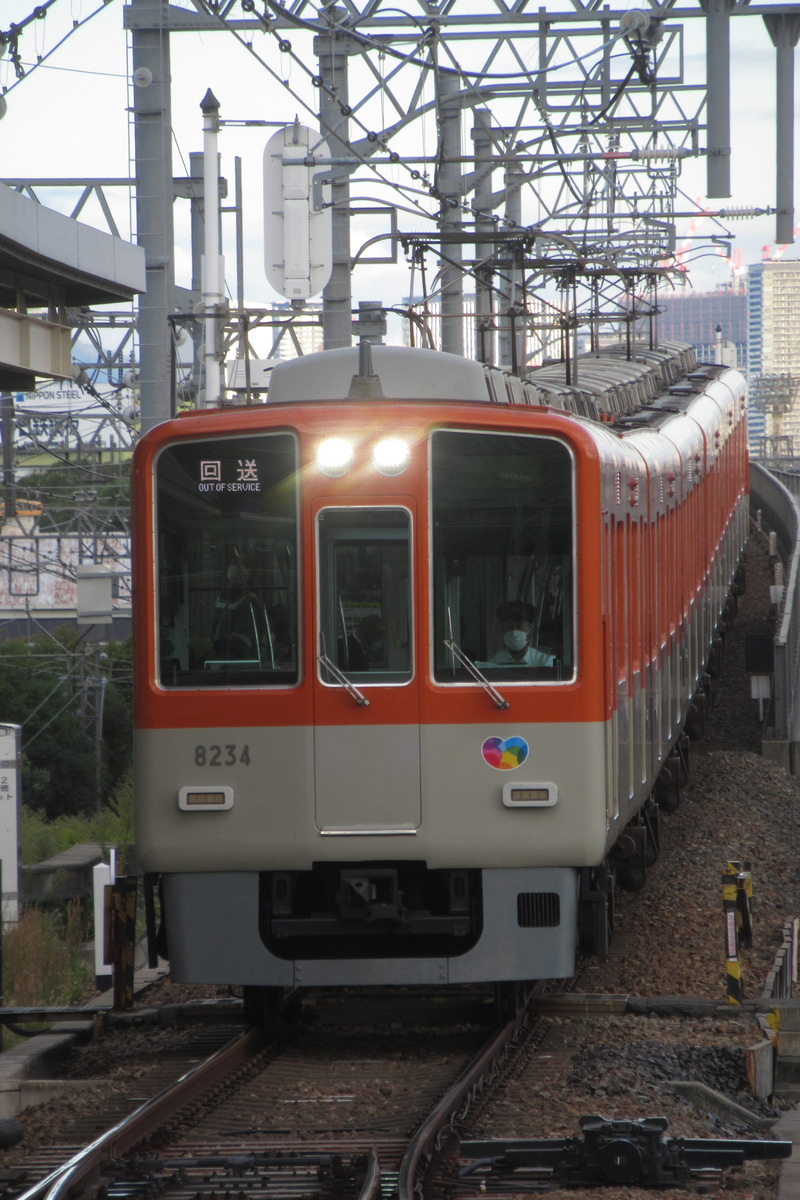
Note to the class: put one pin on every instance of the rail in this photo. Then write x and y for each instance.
(775, 494)
(116, 1141)
(317, 1167)
(454, 1102)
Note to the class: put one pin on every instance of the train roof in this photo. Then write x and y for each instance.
(606, 385)
(399, 372)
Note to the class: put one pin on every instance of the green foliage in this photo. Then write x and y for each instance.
(43, 960)
(45, 686)
(42, 964)
(120, 830)
(102, 487)
(42, 838)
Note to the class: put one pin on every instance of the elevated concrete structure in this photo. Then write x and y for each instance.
(49, 263)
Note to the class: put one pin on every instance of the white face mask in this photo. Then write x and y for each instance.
(515, 639)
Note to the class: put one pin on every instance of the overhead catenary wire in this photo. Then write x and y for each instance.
(9, 41)
(428, 37)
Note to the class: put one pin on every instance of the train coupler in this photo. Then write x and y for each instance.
(369, 894)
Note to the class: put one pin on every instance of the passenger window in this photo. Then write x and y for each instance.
(502, 556)
(365, 589)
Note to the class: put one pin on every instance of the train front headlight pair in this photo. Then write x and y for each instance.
(390, 456)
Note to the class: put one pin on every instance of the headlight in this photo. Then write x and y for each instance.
(335, 456)
(391, 456)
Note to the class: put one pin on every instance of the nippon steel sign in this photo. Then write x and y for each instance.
(51, 395)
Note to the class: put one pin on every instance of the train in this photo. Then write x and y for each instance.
(418, 648)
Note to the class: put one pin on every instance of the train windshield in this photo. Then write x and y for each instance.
(502, 534)
(226, 513)
(365, 594)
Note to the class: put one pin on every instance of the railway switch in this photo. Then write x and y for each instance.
(616, 1153)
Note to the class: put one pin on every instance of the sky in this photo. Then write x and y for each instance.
(69, 117)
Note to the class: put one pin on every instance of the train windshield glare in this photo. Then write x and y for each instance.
(226, 516)
(502, 534)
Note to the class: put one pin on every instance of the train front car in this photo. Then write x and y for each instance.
(408, 662)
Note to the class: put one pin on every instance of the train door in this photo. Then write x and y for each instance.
(638, 669)
(622, 613)
(610, 666)
(366, 743)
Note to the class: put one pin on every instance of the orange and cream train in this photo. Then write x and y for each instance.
(416, 643)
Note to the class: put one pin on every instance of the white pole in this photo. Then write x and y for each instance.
(9, 820)
(213, 271)
(102, 876)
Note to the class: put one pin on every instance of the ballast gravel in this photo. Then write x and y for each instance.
(738, 806)
(741, 807)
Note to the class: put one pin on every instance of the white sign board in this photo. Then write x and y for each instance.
(298, 227)
(95, 593)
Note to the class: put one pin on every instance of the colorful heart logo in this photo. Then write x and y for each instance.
(505, 753)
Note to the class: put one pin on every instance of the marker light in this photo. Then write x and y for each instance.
(205, 799)
(391, 456)
(334, 457)
(530, 795)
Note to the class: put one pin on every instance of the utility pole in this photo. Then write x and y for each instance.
(154, 225)
(511, 277)
(784, 29)
(718, 75)
(213, 262)
(7, 434)
(483, 152)
(450, 188)
(332, 51)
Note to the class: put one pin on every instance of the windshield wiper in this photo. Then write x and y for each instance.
(475, 673)
(342, 679)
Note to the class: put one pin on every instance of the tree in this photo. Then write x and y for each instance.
(42, 689)
(97, 493)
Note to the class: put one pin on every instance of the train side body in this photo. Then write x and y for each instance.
(425, 807)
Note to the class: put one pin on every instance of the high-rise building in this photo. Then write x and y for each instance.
(716, 324)
(773, 351)
(693, 318)
(773, 318)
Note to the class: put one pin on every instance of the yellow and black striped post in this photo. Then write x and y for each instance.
(737, 894)
(744, 904)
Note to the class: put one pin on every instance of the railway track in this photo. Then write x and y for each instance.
(361, 1098)
(323, 1107)
(341, 1106)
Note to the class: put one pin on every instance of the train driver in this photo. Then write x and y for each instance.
(516, 618)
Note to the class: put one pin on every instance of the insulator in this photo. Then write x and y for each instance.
(634, 21)
(733, 214)
(661, 153)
